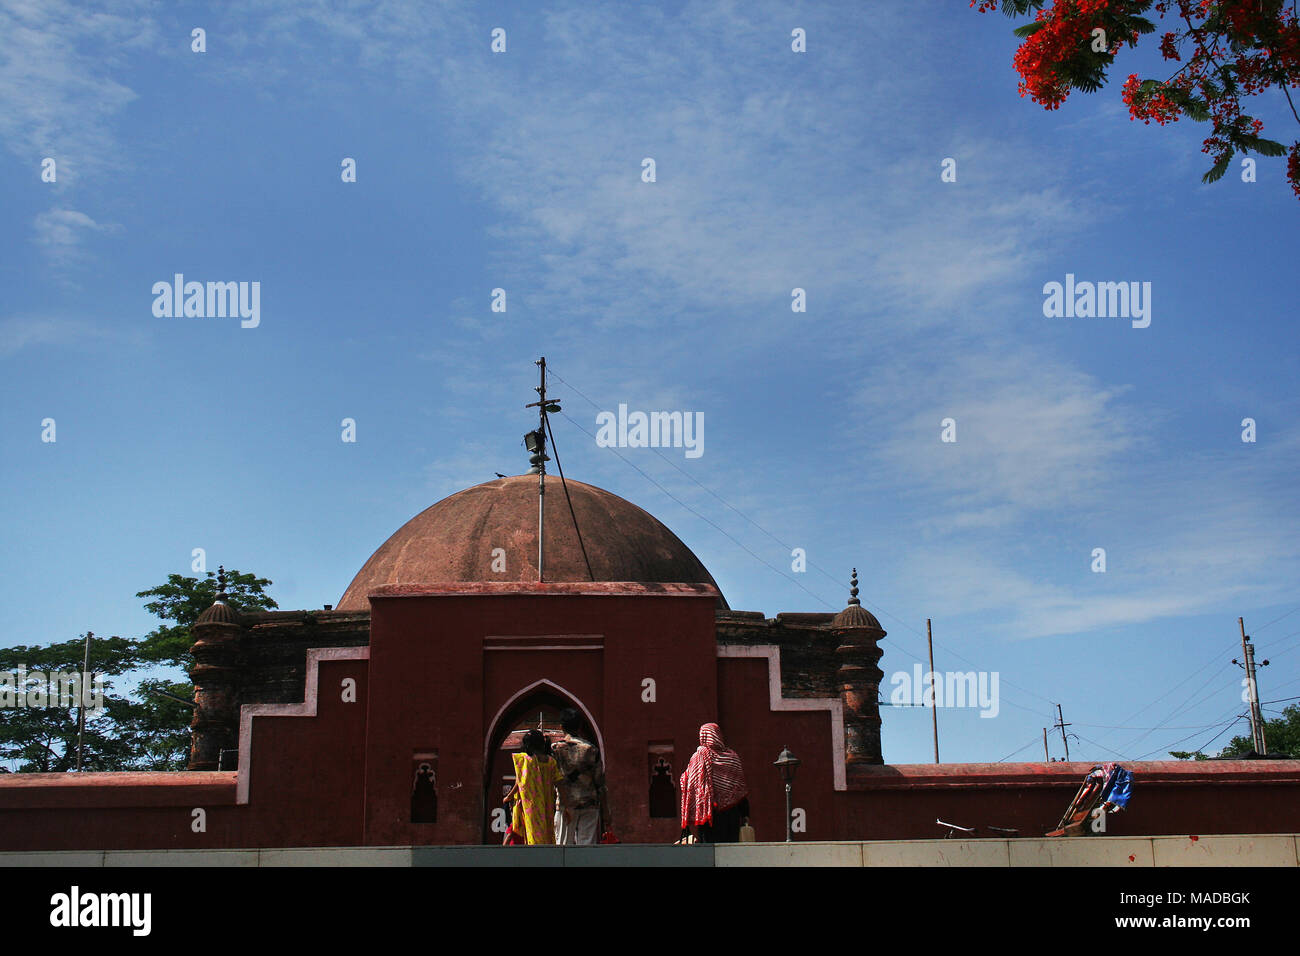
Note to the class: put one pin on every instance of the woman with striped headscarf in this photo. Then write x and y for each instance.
(714, 793)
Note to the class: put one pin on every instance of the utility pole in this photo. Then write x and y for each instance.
(1047, 757)
(81, 711)
(934, 699)
(536, 443)
(1252, 691)
(1060, 723)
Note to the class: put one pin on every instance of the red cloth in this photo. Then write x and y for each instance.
(714, 779)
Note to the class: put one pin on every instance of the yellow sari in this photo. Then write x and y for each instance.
(534, 809)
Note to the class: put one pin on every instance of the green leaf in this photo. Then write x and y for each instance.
(1226, 74)
(1265, 147)
(1019, 8)
(1029, 29)
(1218, 169)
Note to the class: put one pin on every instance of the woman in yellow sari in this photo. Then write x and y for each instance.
(536, 773)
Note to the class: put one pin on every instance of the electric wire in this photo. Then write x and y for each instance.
(1229, 724)
(1018, 749)
(866, 599)
(1276, 619)
(876, 606)
(565, 485)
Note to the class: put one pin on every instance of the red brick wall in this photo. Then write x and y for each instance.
(757, 734)
(668, 637)
(343, 776)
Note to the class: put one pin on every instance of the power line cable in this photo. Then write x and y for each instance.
(1181, 727)
(1182, 707)
(1201, 748)
(565, 485)
(784, 545)
(1276, 619)
(1018, 749)
(1230, 649)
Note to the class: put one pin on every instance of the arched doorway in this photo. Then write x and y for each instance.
(536, 706)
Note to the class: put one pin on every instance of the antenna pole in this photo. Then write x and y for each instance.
(934, 706)
(1252, 688)
(1061, 725)
(536, 442)
(541, 475)
(81, 712)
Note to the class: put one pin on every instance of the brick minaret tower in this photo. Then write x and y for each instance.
(216, 681)
(859, 678)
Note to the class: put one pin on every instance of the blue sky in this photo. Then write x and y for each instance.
(774, 171)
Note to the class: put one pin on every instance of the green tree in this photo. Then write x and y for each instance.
(154, 732)
(1282, 735)
(149, 731)
(157, 727)
(181, 600)
(44, 739)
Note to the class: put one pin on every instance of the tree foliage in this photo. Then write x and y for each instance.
(1229, 50)
(1282, 735)
(146, 731)
(181, 600)
(43, 739)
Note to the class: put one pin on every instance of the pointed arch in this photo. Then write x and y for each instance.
(527, 691)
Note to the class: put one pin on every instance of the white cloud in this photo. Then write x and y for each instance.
(22, 331)
(60, 233)
(775, 169)
(1032, 431)
(59, 95)
(1183, 535)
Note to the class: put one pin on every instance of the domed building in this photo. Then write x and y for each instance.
(455, 642)
(489, 533)
(388, 721)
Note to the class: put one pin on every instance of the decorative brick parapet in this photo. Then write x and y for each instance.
(778, 701)
(808, 664)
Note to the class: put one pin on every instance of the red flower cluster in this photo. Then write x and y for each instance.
(1234, 49)
(1067, 28)
(1066, 33)
(1155, 106)
(1167, 48)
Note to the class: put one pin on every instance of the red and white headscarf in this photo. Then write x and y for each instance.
(714, 779)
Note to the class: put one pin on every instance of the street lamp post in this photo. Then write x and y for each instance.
(788, 763)
(81, 711)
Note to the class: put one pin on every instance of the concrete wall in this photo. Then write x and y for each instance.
(1274, 850)
(903, 801)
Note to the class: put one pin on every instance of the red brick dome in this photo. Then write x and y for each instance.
(454, 541)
